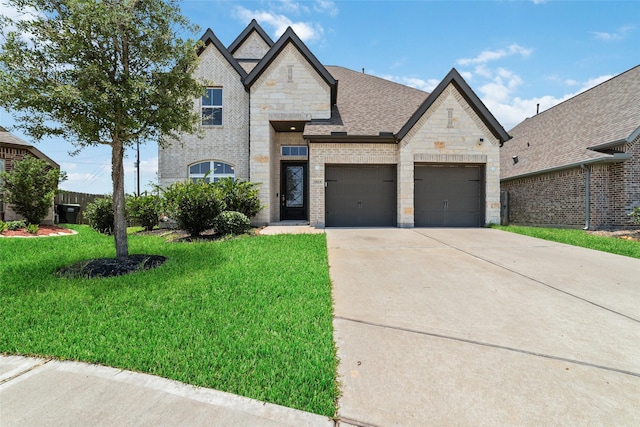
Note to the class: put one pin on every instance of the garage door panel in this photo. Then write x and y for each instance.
(360, 196)
(448, 196)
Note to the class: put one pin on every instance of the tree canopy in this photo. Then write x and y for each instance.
(114, 72)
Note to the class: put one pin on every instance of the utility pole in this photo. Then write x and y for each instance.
(138, 166)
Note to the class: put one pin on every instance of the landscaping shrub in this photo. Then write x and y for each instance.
(635, 215)
(240, 196)
(3, 226)
(16, 225)
(99, 215)
(231, 222)
(32, 228)
(145, 209)
(193, 205)
(30, 188)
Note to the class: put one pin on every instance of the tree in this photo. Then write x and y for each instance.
(30, 187)
(111, 72)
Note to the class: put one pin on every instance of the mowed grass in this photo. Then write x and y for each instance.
(251, 316)
(579, 238)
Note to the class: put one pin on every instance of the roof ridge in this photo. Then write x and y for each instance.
(379, 78)
(582, 93)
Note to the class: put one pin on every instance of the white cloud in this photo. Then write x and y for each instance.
(620, 34)
(492, 55)
(498, 96)
(307, 31)
(326, 6)
(425, 85)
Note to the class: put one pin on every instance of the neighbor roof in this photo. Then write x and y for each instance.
(7, 139)
(573, 131)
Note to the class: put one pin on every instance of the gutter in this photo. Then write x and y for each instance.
(587, 196)
(614, 158)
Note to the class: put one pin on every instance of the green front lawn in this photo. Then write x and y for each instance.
(251, 316)
(579, 238)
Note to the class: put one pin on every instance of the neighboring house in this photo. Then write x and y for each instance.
(13, 149)
(577, 164)
(335, 147)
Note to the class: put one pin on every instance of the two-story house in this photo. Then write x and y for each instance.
(336, 147)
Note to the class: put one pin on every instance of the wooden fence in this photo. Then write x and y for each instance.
(72, 198)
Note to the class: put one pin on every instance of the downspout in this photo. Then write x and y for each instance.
(587, 196)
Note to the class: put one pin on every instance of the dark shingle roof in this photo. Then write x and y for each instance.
(367, 105)
(572, 131)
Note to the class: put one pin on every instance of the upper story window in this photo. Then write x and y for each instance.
(212, 107)
(211, 171)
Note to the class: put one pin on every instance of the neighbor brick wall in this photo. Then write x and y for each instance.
(228, 143)
(553, 200)
(557, 199)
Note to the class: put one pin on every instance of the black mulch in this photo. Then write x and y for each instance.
(109, 267)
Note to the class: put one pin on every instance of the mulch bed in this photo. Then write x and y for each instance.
(43, 231)
(109, 267)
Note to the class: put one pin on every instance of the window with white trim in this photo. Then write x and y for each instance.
(211, 171)
(212, 107)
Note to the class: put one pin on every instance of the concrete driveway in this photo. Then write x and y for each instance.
(483, 327)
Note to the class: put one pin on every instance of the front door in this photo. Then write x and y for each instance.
(293, 191)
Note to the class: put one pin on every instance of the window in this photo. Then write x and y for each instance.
(212, 107)
(211, 171)
(294, 150)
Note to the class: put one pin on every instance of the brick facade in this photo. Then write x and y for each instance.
(228, 143)
(557, 199)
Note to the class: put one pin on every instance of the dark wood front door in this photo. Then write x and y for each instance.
(293, 191)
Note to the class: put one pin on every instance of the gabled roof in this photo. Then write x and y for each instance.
(253, 26)
(577, 131)
(366, 106)
(7, 139)
(210, 38)
(453, 77)
(290, 36)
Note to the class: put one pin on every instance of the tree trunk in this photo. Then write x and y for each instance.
(119, 219)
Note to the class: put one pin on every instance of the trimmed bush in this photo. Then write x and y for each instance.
(32, 228)
(99, 215)
(3, 226)
(30, 188)
(16, 225)
(145, 209)
(635, 215)
(240, 196)
(193, 205)
(231, 222)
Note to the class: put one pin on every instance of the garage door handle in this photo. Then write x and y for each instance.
(446, 203)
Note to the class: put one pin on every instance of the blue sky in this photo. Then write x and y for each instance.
(513, 54)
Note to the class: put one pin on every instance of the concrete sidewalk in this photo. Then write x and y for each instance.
(38, 392)
(483, 327)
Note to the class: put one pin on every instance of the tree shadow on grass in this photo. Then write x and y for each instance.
(110, 267)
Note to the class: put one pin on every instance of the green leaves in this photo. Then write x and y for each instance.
(30, 188)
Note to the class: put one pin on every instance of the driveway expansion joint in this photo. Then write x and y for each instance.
(25, 371)
(490, 345)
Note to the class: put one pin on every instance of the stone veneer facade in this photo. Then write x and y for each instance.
(290, 89)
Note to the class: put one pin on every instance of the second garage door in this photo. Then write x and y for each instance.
(360, 196)
(449, 196)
